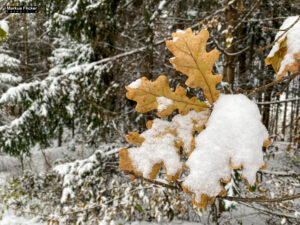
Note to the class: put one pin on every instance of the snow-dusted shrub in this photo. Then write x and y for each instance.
(91, 190)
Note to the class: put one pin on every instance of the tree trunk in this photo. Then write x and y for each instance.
(284, 113)
(230, 18)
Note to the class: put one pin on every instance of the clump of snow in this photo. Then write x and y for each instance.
(67, 194)
(135, 84)
(175, 39)
(293, 42)
(8, 61)
(185, 124)
(10, 218)
(4, 25)
(161, 4)
(159, 146)
(9, 78)
(160, 142)
(163, 103)
(180, 31)
(234, 133)
(192, 13)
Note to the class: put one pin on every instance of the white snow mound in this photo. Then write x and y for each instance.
(234, 132)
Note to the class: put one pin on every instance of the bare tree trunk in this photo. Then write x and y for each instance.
(284, 113)
(277, 116)
(231, 19)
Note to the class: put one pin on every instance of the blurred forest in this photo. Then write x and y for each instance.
(62, 101)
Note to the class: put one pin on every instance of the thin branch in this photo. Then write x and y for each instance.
(287, 84)
(280, 173)
(246, 17)
(277, 102)
(228, 198)
(260, 199)
(268, 212)
(266, 19)
(259, 89)
(277, 39)
(153, 181)
(228, 53)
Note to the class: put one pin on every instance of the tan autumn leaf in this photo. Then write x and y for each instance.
(192, 59)
(286, 51)
(158, 148)
(160, 144)
(135, 138)
(158, 95)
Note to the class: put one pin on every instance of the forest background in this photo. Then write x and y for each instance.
(63, 105)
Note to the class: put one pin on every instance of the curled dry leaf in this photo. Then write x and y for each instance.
(192, 59)
(158, 95)
(286, 51)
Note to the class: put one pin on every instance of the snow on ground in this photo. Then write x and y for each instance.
(10, 218)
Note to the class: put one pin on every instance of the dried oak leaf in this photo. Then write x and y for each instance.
(192, 59)
(286, 51)
(158, 148)
(159, 145)
(158, 95)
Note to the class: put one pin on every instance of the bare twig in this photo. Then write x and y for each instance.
(260, 199)
(280, 173)
(153, 181)
(228, 198)
(277, 102)
(247, 16)
(268, 212)
(259, 89)
(287, 84)
(228, 53)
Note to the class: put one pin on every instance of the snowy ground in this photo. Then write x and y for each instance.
(281, 160)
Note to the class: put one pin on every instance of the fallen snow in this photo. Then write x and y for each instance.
(293, 42)
(9, 218)
(163, 103)
(234, 132)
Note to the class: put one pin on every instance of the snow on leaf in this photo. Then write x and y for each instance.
(286, 51)
(158, 149)
(147, 95)
(192, 59)
(160, 145)
(217, 152)
(163, 103)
